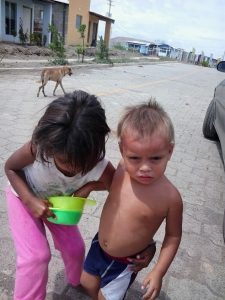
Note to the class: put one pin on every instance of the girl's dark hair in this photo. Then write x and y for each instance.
(74, 126)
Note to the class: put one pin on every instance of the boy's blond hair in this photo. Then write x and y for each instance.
(145, 119)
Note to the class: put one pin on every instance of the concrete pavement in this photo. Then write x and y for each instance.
(196, 169)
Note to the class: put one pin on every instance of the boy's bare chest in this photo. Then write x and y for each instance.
(128, 223)
(136, 208)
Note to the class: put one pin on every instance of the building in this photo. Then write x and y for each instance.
(134, 45)
(163, 49)
(34, 16)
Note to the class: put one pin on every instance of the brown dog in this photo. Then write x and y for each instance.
(53, 74)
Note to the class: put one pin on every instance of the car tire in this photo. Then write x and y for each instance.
(224, 227)
(208, 128)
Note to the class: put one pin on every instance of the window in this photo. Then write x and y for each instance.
(41, 15)
(78, 21)
(10, 18)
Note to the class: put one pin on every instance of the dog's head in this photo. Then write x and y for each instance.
(67, 70)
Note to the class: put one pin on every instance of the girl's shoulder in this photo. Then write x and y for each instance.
(98, 169)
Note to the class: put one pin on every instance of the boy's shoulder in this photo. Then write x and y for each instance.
(120, 167)
(173, 198)
(166, 194)
(172, 191)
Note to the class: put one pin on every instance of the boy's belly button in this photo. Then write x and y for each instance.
(105, 243)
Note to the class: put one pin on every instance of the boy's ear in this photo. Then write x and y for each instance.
(171, 147)
(120, 147)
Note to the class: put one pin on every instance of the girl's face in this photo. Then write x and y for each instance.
(145, 158)
(64, 167)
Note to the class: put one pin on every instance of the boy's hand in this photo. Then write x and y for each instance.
(143, 259)
(152, 285)
(86, 189)
(82, 192)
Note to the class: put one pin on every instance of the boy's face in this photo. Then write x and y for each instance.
(145, 158)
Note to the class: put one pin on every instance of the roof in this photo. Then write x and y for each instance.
(101, 17)
(162, 45)
(62, 1)
(136, 42)
(141, 43)
(49, 1)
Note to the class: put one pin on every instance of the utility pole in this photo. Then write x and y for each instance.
(110, 5)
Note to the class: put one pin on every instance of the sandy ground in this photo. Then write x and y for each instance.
(16, 55)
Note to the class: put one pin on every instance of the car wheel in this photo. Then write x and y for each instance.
(208, 128)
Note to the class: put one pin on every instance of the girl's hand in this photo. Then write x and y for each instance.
(152, 285)
(39, 208)
(143, 259)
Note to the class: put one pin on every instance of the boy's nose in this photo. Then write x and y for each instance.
(145, 167)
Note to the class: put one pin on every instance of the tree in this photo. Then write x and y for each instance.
(82, 30)
(102, 51)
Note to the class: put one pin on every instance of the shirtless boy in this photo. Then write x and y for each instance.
(141, 197)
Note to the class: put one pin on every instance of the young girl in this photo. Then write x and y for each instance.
(66, 152)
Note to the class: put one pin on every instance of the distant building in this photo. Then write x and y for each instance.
(149, 48)
(146, 48)
(163, 49)
(34, 16)
(134, 45)
(176, 53)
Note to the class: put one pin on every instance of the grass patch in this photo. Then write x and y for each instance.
(58, 62)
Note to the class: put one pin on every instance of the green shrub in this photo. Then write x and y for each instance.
(35, 39)
(205, 64)
(23, 36)
(119, 46)
(79, 51)
(102, 53)
(57, 46)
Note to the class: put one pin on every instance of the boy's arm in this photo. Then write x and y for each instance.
(173, 232)
(102, 184)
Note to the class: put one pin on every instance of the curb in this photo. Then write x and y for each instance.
(80, 66)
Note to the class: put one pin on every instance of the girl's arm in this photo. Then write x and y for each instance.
(102, 184)
(14, 171)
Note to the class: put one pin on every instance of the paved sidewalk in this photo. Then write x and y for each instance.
(185, 91)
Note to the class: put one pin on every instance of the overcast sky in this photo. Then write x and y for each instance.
(183, 24)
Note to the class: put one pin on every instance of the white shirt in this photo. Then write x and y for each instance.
(46, 180)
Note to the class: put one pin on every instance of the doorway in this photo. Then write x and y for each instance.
(27, 17)
(94, 34)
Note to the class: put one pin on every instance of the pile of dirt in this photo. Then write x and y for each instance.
(19, 56)
(11, 49)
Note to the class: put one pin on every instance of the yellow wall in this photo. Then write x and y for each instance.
(77, 7)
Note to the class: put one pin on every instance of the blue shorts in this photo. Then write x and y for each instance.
(115, 276)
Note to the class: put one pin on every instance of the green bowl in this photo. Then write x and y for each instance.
(69, 202)
(65, 217)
